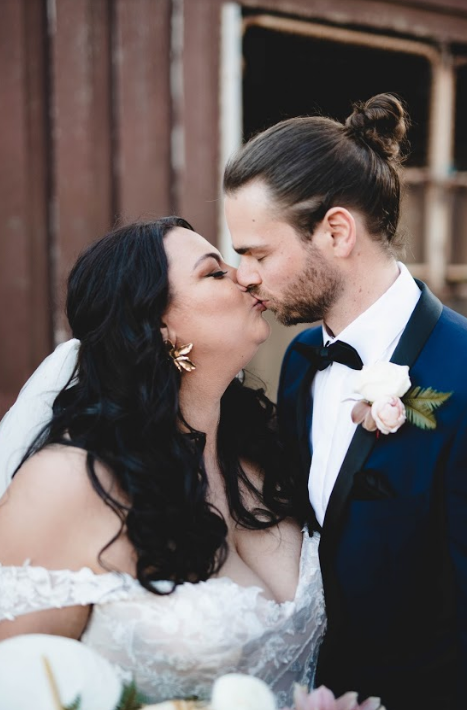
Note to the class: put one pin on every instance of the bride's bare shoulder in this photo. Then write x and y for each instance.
(51, 507)
(59, 474)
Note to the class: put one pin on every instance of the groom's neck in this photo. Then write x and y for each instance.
(364, 284)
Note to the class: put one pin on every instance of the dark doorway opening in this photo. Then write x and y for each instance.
(289, 75)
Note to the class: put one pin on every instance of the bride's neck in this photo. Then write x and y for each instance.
(200, 401)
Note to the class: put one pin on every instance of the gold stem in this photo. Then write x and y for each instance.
(52, 683)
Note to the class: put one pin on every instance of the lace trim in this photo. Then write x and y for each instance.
(31, 588)
(28, 588)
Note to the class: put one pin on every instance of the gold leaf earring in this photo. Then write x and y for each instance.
(180, 356)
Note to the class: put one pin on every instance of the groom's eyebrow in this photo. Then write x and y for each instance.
(248, 249)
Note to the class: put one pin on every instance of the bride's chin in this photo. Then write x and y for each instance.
(266, 328)
(261, 337)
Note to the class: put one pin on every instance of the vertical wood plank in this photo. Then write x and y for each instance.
(141, 56)
(231, 107)
(82, 136)
(199, 182)
(437, 206)
(39, 177)
(24, 323)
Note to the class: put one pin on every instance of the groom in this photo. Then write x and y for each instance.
(312, 206)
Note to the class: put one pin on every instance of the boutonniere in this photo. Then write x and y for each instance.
(388, 399)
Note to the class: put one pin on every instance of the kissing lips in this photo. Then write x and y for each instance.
(258, 304)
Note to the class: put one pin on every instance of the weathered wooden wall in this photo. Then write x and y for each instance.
(111, 109)
(25, 317)
(85, 139)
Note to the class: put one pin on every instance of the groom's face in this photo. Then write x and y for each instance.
(291, 276)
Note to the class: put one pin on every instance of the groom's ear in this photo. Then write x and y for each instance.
(340, 224)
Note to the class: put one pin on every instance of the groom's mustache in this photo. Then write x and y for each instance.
(254, 292)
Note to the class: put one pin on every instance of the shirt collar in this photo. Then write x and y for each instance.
(373, 331)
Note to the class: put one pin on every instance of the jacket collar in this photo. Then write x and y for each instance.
(419, 328)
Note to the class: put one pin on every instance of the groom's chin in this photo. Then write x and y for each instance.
(289, 319)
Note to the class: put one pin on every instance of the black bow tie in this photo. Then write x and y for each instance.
(322, 357)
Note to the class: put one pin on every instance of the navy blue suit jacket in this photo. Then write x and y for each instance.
(393, 545)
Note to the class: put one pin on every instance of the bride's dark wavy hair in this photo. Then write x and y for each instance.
(122, 407)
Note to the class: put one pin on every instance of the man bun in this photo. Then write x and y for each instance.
(382, 123)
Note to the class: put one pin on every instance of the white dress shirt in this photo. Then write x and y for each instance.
(375, 335)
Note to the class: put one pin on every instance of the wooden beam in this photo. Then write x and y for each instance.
(441, 140)
(25, 331)
(342, 35)
(198, 185)
(445, 6)
(414, 19)
(141, 75)
(82, 136)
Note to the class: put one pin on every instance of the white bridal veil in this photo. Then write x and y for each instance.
(33, 408)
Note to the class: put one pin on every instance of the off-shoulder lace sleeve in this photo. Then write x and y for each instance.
(28, 588)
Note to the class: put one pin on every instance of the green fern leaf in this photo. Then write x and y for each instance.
(131, 699)
(420, 416)
(426, 399)
(75, 705)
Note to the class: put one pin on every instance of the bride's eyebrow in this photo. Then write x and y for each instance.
(211, 255)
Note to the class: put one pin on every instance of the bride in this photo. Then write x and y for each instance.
(155, 517)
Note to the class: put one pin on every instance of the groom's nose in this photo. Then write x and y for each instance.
(247, 274)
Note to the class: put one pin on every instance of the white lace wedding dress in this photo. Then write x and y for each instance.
(176, 645)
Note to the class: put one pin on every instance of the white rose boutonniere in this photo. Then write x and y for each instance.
(383, 379)
(388, 399)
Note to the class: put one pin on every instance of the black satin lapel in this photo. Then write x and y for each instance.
(304, 417)
(419, 328)
(357, 453)
(416, 333)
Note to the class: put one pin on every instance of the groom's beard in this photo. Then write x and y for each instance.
(310, 295)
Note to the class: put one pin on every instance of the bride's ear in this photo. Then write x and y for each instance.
(167, 333)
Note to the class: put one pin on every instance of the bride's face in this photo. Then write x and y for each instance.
(207, 306)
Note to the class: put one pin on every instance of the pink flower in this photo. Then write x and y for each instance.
(323, 699)
(320, 699)
(361, 414)
(388, 414)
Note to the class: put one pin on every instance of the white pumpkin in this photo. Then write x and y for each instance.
(236, 691)
(77, 670)
(177, 705)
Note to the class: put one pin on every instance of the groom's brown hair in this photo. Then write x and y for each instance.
(310, 164)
